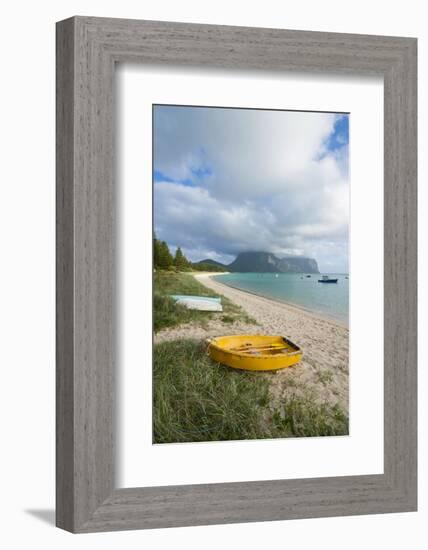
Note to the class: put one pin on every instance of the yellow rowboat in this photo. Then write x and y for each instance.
(254, 352)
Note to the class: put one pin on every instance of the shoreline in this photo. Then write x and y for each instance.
(269, 299)
(322, 375)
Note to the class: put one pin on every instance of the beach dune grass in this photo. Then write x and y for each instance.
(170, 282)
(303, 417)
(196, 399)
(167, 313)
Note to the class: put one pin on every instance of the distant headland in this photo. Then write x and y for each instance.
(265, 262)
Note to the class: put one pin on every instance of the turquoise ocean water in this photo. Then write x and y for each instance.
(328, 300)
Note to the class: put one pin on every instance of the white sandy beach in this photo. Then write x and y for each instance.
(323, 372)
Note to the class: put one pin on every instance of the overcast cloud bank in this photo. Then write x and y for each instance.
(233, 180)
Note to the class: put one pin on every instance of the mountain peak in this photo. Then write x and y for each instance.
(267, 262)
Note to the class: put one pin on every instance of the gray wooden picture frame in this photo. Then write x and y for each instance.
(87, 50)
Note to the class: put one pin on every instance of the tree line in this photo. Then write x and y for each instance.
(164, 260)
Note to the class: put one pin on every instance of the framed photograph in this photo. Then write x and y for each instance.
(236, 274)
(244, 198)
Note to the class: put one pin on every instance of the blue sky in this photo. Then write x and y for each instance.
(340, 135)
(230, 180)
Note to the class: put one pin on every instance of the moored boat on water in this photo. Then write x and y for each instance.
(326, 279)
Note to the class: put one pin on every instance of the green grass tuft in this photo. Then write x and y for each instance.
(301, 417)
(196, 399)
(179, 283)
(227, 319)
(325, 376)
(167, 313)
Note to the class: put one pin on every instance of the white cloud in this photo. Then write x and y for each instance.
(261, 180)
